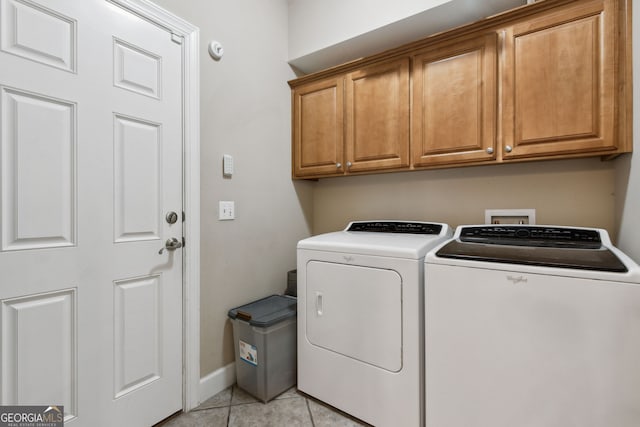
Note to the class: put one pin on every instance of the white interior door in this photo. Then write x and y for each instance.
(90, 163)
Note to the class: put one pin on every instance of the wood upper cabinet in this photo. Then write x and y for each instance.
(454, 103)
(353, 122)
(377, 117)
(548, 80)
(559, 82)
(318, 131)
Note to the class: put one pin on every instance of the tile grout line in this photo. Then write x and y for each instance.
(229, 408)
(306, 401)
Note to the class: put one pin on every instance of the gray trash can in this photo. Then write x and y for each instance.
(264, 336)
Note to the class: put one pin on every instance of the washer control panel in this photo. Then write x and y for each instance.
(532, 236)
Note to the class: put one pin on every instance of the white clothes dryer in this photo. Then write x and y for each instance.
(360, 318)
(531, 326)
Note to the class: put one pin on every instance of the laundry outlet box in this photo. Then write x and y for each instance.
(264, 335)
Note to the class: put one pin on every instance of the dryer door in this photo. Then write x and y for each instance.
(355, 311)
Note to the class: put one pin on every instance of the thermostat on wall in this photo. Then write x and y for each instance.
(227, 165)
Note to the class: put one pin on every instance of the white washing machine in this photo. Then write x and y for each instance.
(531, 326)
(360, 318)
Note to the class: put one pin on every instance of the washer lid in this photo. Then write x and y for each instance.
(600, 259)
(400, 244)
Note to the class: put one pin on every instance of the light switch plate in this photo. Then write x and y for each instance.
(226, 210)
(510, 216)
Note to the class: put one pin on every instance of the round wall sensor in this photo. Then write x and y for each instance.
(216, 50)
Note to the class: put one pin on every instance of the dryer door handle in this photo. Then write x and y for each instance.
(318, 303)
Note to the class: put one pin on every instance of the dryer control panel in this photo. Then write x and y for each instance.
(395, 227)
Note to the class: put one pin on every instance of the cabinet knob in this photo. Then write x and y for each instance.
(490, 150)
(508, 148)
(338, 165)
(348, 165)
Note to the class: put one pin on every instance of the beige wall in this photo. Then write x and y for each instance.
(628, 168)
(570, 192)
(245, 112)
(308, 20)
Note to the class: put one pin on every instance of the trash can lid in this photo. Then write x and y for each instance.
(266, 311)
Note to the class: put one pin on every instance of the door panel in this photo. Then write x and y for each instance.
(136, 70)
(35, 32)
(364, 304)
(38, 174)
(33, 354)
(137, 179)
(318, 133)
(137, 333)
(91, 146)
(556, 99)
(454, 103)
(377, 118)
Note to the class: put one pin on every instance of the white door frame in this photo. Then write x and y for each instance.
(190, 36)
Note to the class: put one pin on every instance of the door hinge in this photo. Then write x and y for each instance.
(184, 242)
(184, 216)
(176, 38)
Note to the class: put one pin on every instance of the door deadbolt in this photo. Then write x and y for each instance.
(171, 217)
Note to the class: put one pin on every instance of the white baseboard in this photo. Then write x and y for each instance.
(217, 381)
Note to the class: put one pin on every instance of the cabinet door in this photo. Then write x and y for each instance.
(454, 103)
(559, 82)
(318, 131)
(377, 122)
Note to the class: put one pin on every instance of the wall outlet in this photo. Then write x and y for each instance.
(510, 216)
(226, 210)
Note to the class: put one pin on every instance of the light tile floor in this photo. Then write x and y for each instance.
(234, 407)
